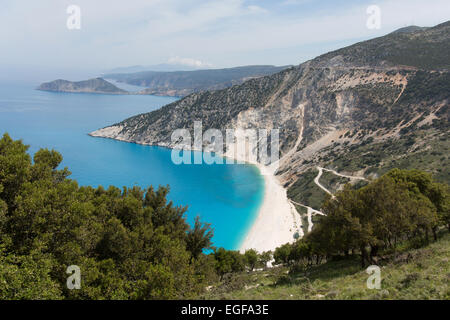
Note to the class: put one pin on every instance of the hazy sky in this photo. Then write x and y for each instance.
(205, 33)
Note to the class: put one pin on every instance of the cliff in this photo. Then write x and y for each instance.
(364, 109)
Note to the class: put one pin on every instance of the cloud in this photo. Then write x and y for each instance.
(221, 32)
(295, 2)
(256, 9)
(189, 62)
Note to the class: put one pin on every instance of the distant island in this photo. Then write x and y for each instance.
(97, 85)
(167, 83)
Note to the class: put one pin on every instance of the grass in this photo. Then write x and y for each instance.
(305, 191)
(432, 157)
(424, 149)
(303, 212)
(332, 182)
(411, 274)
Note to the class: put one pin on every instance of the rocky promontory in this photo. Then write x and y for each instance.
(96, 85)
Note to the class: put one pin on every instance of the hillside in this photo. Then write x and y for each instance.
(97, 85)
(363, 109)
(409, 274)
(423, 48)
(132, 243)
(183, 83)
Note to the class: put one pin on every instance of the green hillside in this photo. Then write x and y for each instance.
(131, 243)
(409, 274)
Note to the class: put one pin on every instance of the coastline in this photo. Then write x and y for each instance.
(277, 220)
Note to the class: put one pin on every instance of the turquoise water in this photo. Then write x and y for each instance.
(227, 196)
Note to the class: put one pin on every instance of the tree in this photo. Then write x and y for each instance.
(224, 262)
(3, 212)
(228, 261)
(15, 166)
(129, 243)
(238, 259)
(281, 254)
(27, 277)
(401, 204)
(199, 238)
(342, 228)
(264, 258)
(421, 184)
(301, 252)
(251, 258)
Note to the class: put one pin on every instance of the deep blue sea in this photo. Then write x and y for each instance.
(227, 196)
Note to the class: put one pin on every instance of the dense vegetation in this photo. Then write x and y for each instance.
(424, 148)
(402, 205)
(409, 273)
(134, 244)
(129, 243)
(399, 222)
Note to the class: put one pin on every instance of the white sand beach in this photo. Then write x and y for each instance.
(277, 220)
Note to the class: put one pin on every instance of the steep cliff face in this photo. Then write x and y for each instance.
(362, 108)
(97, 85)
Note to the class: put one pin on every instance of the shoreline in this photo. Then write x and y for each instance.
(277, 220)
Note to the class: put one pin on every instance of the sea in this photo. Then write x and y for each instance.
(228, 196)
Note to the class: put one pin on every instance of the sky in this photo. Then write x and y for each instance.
(36, 42)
